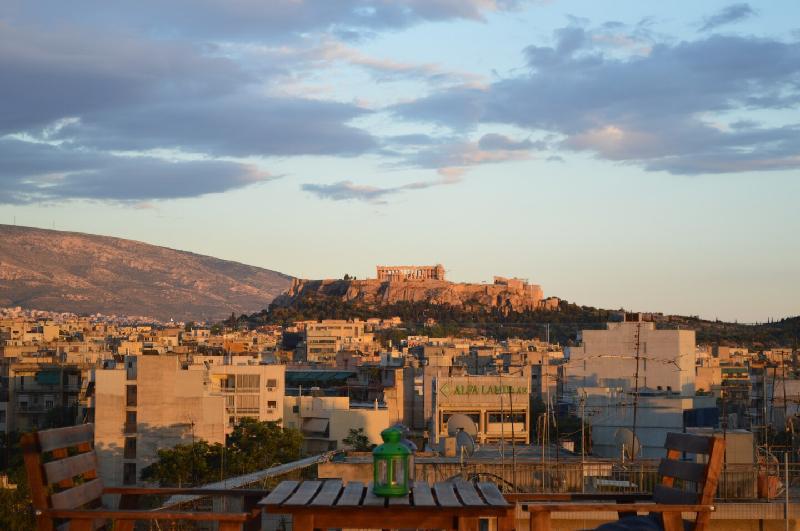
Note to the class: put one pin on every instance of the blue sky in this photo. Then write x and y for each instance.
(622, 154)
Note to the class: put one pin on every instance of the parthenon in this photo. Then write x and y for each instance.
(435, 272)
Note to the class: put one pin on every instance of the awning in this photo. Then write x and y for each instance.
(48, 377)
(315, 425)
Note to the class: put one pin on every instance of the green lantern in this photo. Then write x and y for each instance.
(391, 461)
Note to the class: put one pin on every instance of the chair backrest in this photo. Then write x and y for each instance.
(62, 469)
(690, 481)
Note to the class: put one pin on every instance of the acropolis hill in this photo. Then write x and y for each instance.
(421, 283)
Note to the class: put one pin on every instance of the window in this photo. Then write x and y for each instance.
(272, 382)
(272, 404)
(247, 403)
(496, 417)
(295, 409)
(48, 404)
(129, 473)
(130, 422)
(130, 395)
(248, 381)
(130, 448)
(2, 416)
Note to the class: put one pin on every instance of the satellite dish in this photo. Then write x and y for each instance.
(465, 444)
(460, 422)
(625, 441)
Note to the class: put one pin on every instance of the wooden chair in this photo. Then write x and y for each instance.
(66, 490)
(684, 487)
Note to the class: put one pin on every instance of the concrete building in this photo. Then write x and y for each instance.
(325, 338)
(611, 415)
(159, 401)
(608, 358)
(498, 405)
(398, 273)
(325, 421)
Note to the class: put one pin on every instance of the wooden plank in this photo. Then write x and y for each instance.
(77, 496)
(351, 496)
(445, 494)
(50, 440)
(468, 524)
(492, 494)
(422, 494)
(371, 499)
(382, 517)
(147, 514)
(303, 522)
(671, 495)
(69, 467)
(619, 507)
(304, 493)
(280, 493)
(328, 493)
(469, 496)
(685, 442)
(685, 470)
(540, 521)
(400, 501)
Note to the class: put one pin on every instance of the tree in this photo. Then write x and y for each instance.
(358, 440)
(186, 465)
(15, 504)
(253, 445)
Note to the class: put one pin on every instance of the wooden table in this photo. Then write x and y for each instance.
(447, 505)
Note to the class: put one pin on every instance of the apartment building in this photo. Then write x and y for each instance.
(158, 401)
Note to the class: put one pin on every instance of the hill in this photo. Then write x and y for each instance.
(84, 273)
(437, 316)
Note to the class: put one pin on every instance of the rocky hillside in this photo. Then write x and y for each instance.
(374, 293)
(83, 273)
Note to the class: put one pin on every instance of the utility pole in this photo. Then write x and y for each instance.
(583, 442)
(513, 442)
(637, 343)
(786, 420)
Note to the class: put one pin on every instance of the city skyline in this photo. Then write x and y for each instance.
(630, 155)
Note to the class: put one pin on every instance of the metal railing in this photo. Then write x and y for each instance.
(736, 482)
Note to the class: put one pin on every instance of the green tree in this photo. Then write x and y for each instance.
(186, 465)
(15, 504)
(253, 446)
(358, 440)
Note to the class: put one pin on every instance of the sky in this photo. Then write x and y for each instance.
(629, 154)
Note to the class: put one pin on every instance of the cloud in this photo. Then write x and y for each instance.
(330, 52)
(348, 190)
(497, 142)
(233, 126)
(655, 110)
(274, 20)
(49, 75)
(36, 172)
(728, 15)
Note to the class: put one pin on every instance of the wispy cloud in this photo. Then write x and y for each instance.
(348, 190)
(727, 15)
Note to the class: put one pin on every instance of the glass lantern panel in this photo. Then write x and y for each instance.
(382, 472)
(398, 469)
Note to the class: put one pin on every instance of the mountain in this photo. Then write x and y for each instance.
(83, 273)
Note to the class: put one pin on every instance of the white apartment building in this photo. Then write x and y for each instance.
(608, 358)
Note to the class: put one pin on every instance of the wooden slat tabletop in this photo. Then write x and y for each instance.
(304, 493)
(332, 493)
(351, 496)
(422, 494)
